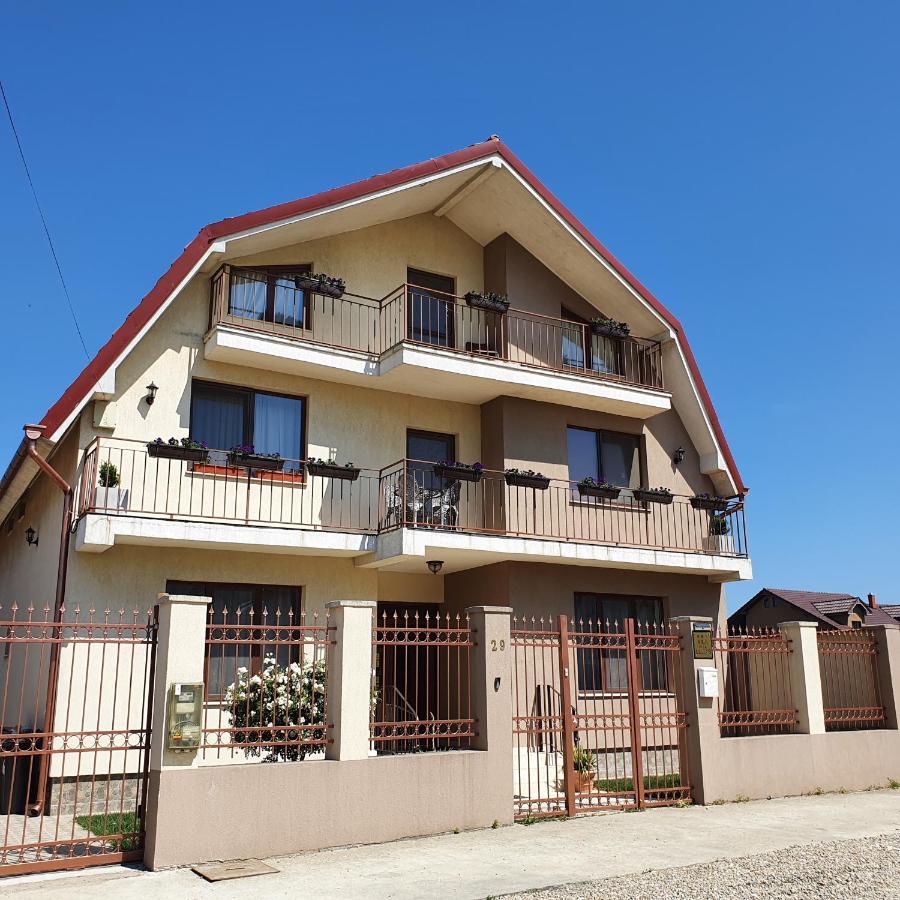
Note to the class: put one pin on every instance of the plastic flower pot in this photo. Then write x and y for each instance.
(255, 461)
(458, 473)
(602, 493)
(646, 496)
(714, 504)
(538, 482)
(176, 451)
(333, 470)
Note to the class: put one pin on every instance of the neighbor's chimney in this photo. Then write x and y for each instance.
(873, 603)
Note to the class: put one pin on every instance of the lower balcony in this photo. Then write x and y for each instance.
(394, 518)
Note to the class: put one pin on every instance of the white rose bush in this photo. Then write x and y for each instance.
(280, 711)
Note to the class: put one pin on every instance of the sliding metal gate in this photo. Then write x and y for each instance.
(75, 700)
(598, 721)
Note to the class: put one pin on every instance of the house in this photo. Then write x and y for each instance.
(294, 413)
(773, 605)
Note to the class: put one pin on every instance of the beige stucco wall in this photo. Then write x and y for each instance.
(790, 764)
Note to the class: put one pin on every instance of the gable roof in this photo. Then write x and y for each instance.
(892, 609)
(821, 606)
(59, 415)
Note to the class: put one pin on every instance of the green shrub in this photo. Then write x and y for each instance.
(109, 475)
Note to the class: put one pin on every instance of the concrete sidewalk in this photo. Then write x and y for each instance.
(486, 863)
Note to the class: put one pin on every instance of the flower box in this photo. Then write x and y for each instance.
(458, 473)
(522, 479)
(322, 284)
(495, 303)
(714, 504)
(602, 493)
(177, 451)
(255, 461)
(333, 470)
(609, 328)
(648, 496)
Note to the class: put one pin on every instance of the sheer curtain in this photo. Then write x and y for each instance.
(277, 425)
(248, 296)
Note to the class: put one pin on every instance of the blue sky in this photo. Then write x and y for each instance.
(742, 161)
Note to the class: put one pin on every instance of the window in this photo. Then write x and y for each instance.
(244, 604)
(423, 449)
(226, 417)
(582, 349)
(606, 669)
(430, 308)
(270, 295)
(604, 456)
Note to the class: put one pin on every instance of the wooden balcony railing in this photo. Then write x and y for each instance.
(407, 494)
(424, 317)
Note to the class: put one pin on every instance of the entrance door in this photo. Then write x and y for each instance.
(598, 719)
(431, 307)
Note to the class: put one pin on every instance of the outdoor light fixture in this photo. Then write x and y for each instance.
(31, 537)
(678, 458)
(435, 565)
(151, 393)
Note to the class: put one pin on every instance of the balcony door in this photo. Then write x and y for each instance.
(430, 308)
(423, 450)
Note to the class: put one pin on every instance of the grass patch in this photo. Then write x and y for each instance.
(893, 784)
(114, 823)
(651, 782)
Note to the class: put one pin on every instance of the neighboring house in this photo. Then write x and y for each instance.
(394, 370)
(773, 605)
(893, 610)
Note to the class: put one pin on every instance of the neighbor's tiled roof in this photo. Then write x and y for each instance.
(821, 605)
(892, 609)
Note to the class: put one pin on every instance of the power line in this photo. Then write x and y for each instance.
(37, 203)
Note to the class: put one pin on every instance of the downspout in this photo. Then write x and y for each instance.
(32, 434)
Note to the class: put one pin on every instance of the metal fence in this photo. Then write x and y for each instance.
(265, 676)
(76, 695)
(421, 688)
(755, 694)
(598, 717)
(851, 695)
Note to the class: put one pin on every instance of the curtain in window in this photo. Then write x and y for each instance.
(605, 355)
(289, 302)
(573, 345)
(619, 459)
(277, 423)
(248, 295)
(217, 418)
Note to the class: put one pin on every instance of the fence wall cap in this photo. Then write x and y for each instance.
(358, 604)
(493, 610)
(164, 598)
(885, 625)
(798, 624)
(690, 619)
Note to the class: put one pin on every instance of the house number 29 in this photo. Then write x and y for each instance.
(497, 645)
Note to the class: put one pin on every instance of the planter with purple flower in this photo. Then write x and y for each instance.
(526, 478)
(173, 448)
(488, 300)
(602, 490)
(606, 327)
(330, 469)
(327, 285)
(653, 495)
(458, 471)
(246, 457)
(710, 502)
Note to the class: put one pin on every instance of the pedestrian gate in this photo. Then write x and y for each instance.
(598, 718)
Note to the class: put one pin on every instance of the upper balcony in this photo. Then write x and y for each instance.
(422, 341)
(395, 517)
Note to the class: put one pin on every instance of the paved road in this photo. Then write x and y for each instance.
(479, 864)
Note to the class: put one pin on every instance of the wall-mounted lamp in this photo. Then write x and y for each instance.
(678, 458)
(151, 393)
(435, 565)
(31, 537)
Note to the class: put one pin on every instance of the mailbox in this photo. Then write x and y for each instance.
(707, 682)
(185, 714)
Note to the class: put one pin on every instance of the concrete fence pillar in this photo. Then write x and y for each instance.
(180, 654)
(702, 732)
(349, 678)
(805, 676)
(490, 669)
(887, 639)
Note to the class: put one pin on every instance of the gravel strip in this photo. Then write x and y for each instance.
(867, 868)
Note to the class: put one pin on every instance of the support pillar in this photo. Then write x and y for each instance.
(805, 675)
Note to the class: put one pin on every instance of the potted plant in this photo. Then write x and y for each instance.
(709, 501)
(583, 763)
(322, 284)
(720, 539)
(173, 448)
(526, 478)
(246, 457)
(607, 327)
(109, 494)
(653, 495)
(587, 487)
(497, 303)
(459, 471)
(330, 469)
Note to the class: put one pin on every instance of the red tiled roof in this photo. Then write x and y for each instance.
(60, 411)
(821, 605)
